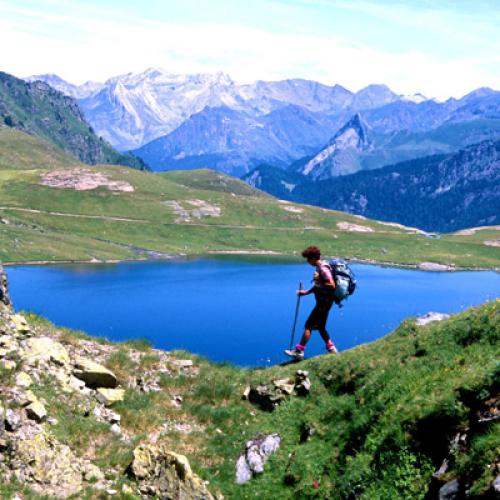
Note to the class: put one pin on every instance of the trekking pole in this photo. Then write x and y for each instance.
(296, 315)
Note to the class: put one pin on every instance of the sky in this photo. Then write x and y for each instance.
(440, 48)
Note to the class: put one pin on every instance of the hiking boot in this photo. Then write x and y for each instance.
(332, 349)
(295, 353)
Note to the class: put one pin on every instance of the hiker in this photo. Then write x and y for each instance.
(323, 289)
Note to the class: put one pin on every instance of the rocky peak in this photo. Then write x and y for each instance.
(373, 96)
(358, 126)
(341, 155)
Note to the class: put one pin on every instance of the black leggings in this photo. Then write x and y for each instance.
(319, 315)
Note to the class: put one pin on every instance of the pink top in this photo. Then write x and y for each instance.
(324, 274)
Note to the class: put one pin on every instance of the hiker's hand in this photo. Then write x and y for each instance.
(301, 292)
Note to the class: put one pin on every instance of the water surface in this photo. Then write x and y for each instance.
(231, 309)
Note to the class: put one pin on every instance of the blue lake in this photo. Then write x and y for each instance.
(234, 310)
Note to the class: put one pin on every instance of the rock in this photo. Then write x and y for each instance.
(20, 324)
(302, 383)
(176, 401)
(246, 392)
(94, 375)
(268, 397)
(257, 452)
(39, 351)
(92, 473)
(284, 385)
(48, 467)
(106, 415)
(495, 485)
(25, 398)
(13, 420)
(166, 474)
(36, 411)
(243, 472)
(2, 418)
(183, 363)
(450, 491)
(4, 444)
(430, 317)
(76, 385)
(4, 288)
(8, 364)
(109, 396)
(116, 429)
(147, 383)
(434, 266)
(127, 490)
(23, 380)
(265, 397)
(443, 468)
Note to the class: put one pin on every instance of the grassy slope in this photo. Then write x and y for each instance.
(249, 221)
(55, 117)
(382, 414)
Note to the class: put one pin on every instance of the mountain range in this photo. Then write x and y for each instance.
(208, 120)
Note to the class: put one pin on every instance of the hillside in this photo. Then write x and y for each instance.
(413, 415)
(38, 109)
(435, 193)
(54, 208)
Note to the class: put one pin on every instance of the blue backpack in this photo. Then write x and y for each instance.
(345, 281)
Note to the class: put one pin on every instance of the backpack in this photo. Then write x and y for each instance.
(345, 281)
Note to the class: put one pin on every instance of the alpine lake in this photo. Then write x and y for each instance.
(234, 309)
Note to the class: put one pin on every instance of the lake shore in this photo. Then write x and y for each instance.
(422, 266)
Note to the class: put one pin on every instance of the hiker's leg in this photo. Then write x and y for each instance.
(305, 337)
(325, 336)
(330, 346)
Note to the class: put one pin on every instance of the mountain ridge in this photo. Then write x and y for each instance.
(38, 109)
(435, 193)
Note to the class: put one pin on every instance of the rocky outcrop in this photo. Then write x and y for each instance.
(109, 396)
(430, 317)
(268, 396)
(162, 473)
(257, 452)
(4, 292)
(94, 375)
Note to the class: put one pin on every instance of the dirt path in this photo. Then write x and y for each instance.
(82, 216)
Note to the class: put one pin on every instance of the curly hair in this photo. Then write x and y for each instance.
(311, 253)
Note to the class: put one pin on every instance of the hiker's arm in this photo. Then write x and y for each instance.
(305, 292)
(329, 282)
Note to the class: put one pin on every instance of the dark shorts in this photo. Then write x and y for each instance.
(319, 315)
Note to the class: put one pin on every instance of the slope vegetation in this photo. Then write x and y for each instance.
(404, 417)
(53, 208)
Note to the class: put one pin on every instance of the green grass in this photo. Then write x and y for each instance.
(39, 223)
(382, 414)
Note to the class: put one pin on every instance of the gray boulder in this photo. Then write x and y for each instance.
(450, 491)
(257, 452)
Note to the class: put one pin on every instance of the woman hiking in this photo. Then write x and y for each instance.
(323, 289)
